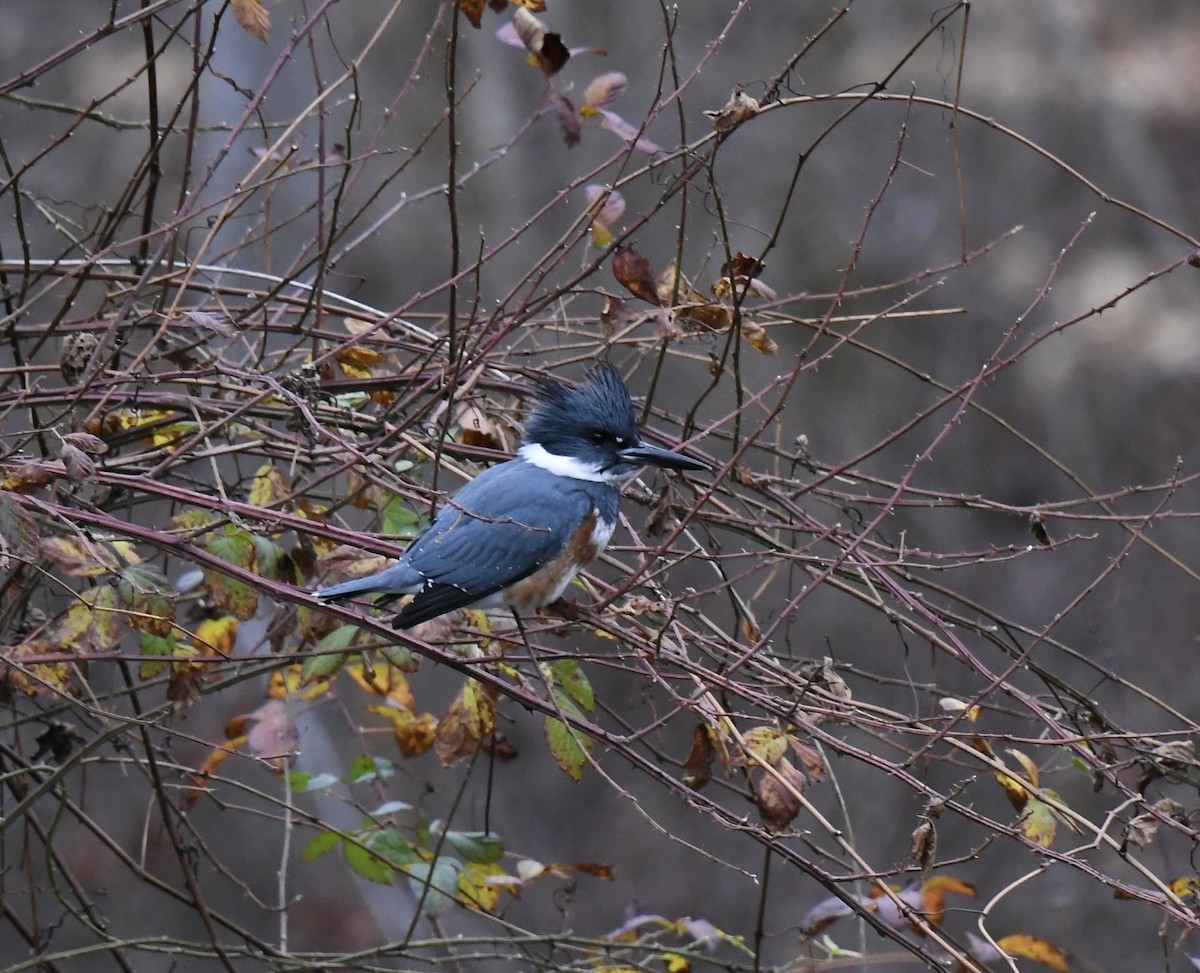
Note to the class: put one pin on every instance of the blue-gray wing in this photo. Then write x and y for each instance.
(499, 528)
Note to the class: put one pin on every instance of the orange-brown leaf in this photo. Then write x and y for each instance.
(199, 785)
(933, 895)
(1035, 949)
(633, 272)
(252, 17)
(755, 335)
(473, 9)
(697, 769)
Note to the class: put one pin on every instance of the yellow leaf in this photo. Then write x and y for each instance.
(268, 488)
(77, 557)
(1039, 822)
(676, 963)
(1186, 886)
(1031, 771)
(252, 17)
(475, 889)
(386, 681)
(285, 683)
(767, 743)
(35, 678)
(92, 623)
(414, 734)
(215, 636)
(127, 552)
(1013, 789)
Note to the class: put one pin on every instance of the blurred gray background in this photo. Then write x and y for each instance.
(1101, 91)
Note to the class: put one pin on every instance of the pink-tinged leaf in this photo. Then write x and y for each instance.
(621, 128)
(605, 206)
(508, 34)
(602, 91)
(274, 737)
(564, 111)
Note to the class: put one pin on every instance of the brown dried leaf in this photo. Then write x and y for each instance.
(352, 561)
(28, 477)
(470, 718)
(476, 427)
(252, 17)
(75, 353)
(923, 849)
(633, 272)
(77, 463)
(738, 109)
(809, 757)
(777, 799)
(755, 335)
(87, 442)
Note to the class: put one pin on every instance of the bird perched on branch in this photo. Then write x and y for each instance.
(517, 534)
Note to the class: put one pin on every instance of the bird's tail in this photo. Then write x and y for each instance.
(395, 581)
(336, 592)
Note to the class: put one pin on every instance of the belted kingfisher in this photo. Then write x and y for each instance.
(518, 533)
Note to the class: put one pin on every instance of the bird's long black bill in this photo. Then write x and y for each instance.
(653, 455)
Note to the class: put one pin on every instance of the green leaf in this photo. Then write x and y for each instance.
(391, 846)
(367, 768)
(402, 657)
(332, 654)
(436, 884)
(390, 807)
(369, 865)
(568, 748)
(476, 846)
(155, 646)
(268, 555)
(313, 782)
(569, 675)
(398, 518)
(319, 844)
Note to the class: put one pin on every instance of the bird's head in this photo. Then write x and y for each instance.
(587, 431)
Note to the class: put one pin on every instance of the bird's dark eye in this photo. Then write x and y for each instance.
(599, 437)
